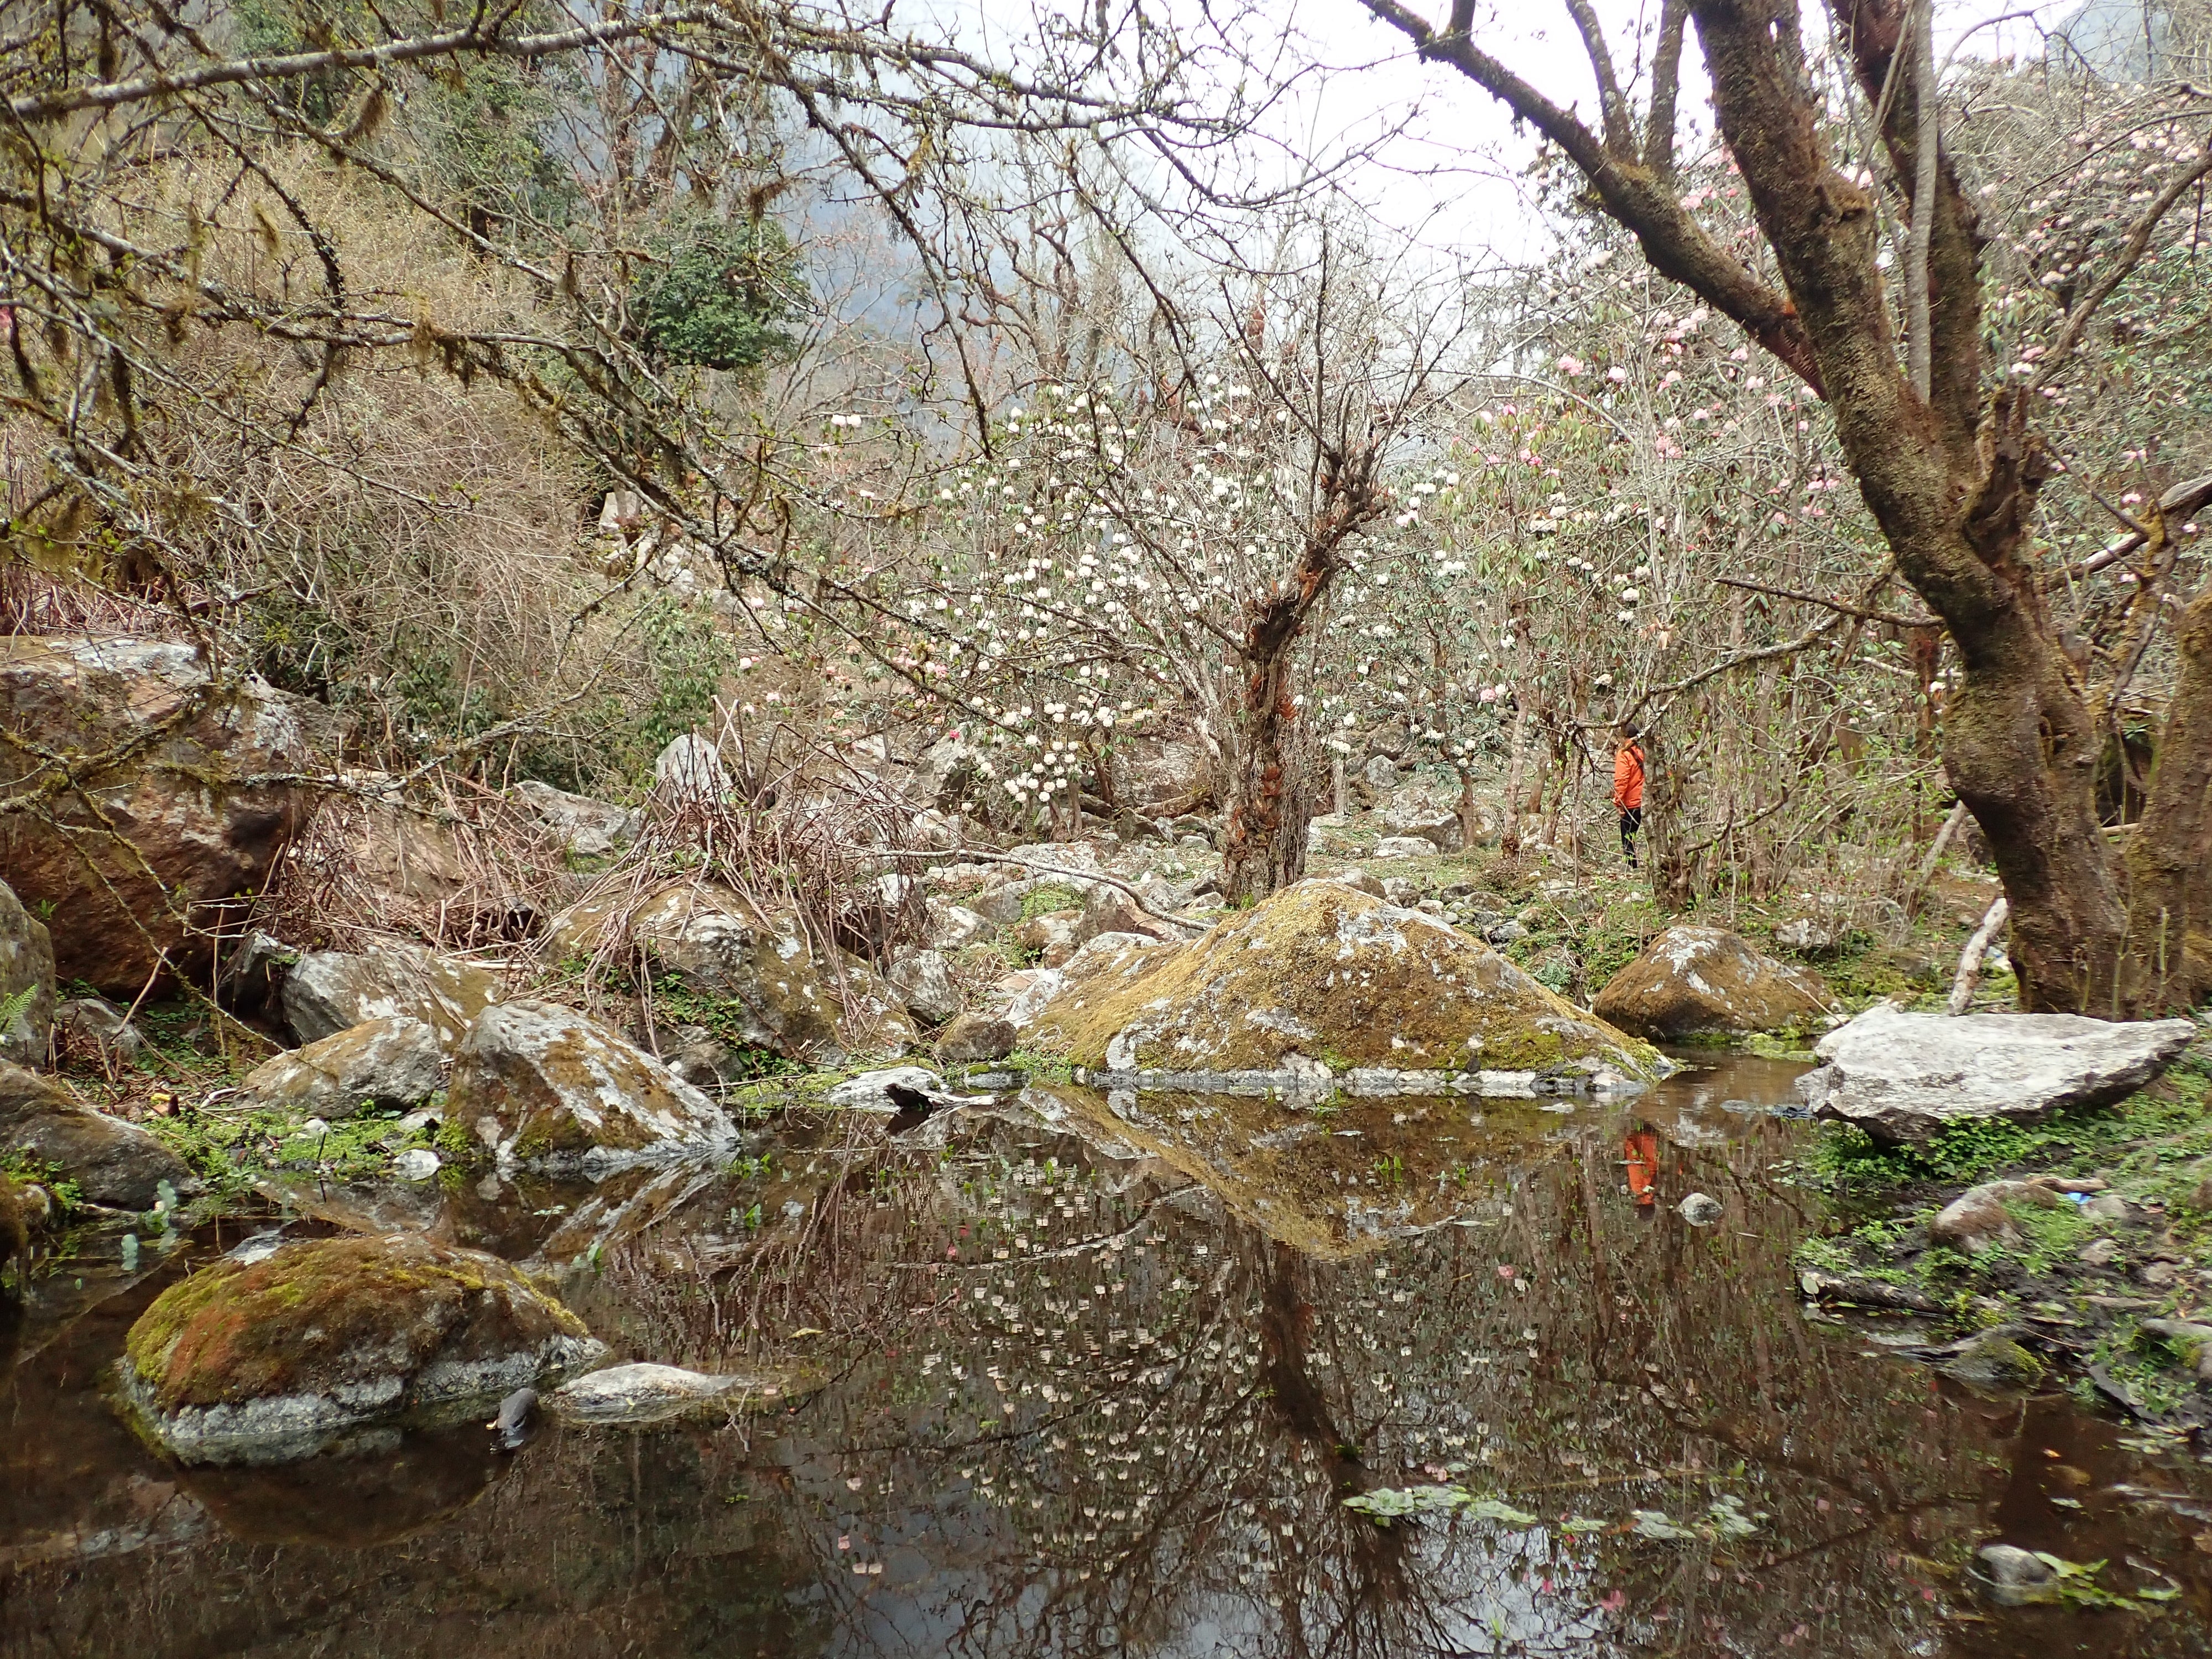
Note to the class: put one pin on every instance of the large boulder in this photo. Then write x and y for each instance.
(1323, 980)
(873, 1018)
(690, 772)
(587, 828)
(1902, 1077)
(1693, 981)
(392, 1064)
(547, 1085)
(270, 1358)
(923, 980)
(757, 964)
(154, 832)
(326, 991)
(26, 983)
(112, 1162)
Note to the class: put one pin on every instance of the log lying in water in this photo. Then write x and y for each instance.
(1866, 1293)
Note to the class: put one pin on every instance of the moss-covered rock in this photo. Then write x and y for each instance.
(758, 966)
(269, 1359)
(1706, 982)
(547, 1085)
(327, 992)
(26, 983)
(386, 1064)
(1323, 974)
(112, 1162)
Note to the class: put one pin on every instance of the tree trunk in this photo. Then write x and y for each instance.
(1263, 846)
(1670, 866)
(1509, 839)
(2169, 857)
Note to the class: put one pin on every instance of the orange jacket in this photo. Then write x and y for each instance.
(1628, 778)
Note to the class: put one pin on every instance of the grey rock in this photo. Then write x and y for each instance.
(690, 772)
(896, 1089)
(551, 1087)
(2107, 1206)
(94, 1026)
(417, 1164)
(1404, 847)
(112, 1162)
(392, 1064)
(1698, 981)
(1993, 1361)
(952, 926)
(642, 1393)
(1976, 1220)
(1900, 1077)
(586, 828)
(923, 979)
(1000, 905)
(1702, 1209)
(2010, 1565)
(2099, 1253)
(327, 992)
(1380, 772)
(26, 983)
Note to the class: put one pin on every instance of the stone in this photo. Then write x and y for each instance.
(2099, 1253)
(646, 1393)
(757, 964)
(2107, 1206)
(2015, 1575)
(96, 1029)
(872, 1018)
(1101, 951)
(1706, 982)
(949, 773)
(113, 1163)
(587, 828)
(896, 1089)
(417, 1164)
(1328, 974)
(1356, 878)
(1701, 1209)
(326, 991)
(952, 926)
(26, 983)
(1028, 992)
(1901, 1076)
(2159, 1275)
(1993, 1362)
(1380, 773)
(923, 980)
(690, 772)
(1000, 904)
(1806, 938)
(1110, 910)
(392, 1064)
(270, 1360)
(1506, 931)
(549, 1086)
(1054, 927)
(1976, 1220)
(972, 1037)
(1404, 847)
(172, 839)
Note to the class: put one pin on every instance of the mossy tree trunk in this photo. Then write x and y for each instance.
(1946, 460)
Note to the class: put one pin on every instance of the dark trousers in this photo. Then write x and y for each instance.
(1631, 821)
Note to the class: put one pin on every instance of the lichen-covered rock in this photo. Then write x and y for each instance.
(872, 1018)
(922, 978)
(646, 1393)
(327, 992)
(721, 946)
(951, 926)
(269, 1359)
(1901, 1076)
(1319, 976)
(112, 1162)
(972, 1037)
(546, 1085)
(587, 828)
(1706, 982)
(392, 1064)
(26, 983)
(152, 808)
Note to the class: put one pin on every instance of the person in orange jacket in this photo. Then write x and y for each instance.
(1628, 792)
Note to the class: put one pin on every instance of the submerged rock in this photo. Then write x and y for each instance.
(1993, 1362)
(1701, 1209)
(142, 850)
(1901, 1076)
(383, 1065)
(546, 1085)
(646, 1392)
(270, 1360)
(1323, 978)
(26, 983)
(112, 1162)
(1706, 982)
(327, 992)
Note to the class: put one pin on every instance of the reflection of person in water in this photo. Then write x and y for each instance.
(1642, 1164)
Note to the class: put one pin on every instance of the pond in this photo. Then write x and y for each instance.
(1071, 1375)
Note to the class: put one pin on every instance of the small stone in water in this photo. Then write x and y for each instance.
(2010, 1564)
(1701, 1209)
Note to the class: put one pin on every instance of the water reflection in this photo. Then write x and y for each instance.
(1098, 1381)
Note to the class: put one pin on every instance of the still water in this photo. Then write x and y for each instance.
(1078, 1376)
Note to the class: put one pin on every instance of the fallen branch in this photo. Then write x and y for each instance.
(1969, 959)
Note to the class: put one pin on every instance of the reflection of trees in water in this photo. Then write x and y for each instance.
(1073, 1410)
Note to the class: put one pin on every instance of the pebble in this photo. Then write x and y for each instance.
(2099, 1253)
(2010, 1565)
(2107, 1206)
(417, 1164)
(1701, 1209)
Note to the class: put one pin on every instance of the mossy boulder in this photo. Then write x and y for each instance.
(1321, 975)
(269, 1359)
(1693, 981)
(391, 1064)
(551, 1086)
(327, 992)
(112, 1162)
(758, 966)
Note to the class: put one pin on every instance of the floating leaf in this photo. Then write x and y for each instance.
(1576, 1525)
(1387, 1504)
(1652, 1523)
(1492, 1508)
